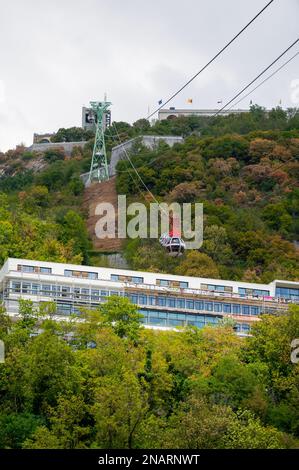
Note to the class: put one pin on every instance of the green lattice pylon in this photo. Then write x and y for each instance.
(99, 167)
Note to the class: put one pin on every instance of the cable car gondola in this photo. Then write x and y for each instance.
(174, 246)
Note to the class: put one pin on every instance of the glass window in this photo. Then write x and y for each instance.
(245, 310)
(28, 269)
(95, 294)
(35, 289)
(162, 301)
(170, 302)
(190, 317)
(236, 309)
(26, 287)
(190, 304)
(46, 289)
(219, 288)
(181, 316)
(160, 315)
(64, 309)
(85, 292)
(180, 303)
(199, 305)
(65, 291)
(137, 280)
(211, 320)
(92, 275)
(184, 285)
(175, 322)
(142, 299)
(288, 293)
(217, 307)
(68, 273)
(114, 277)
(209, 306)
(242, 291)
(261, 292)
(77, 292)
(255, 310)
(226, 308)
(44, 270)
(156, 321)
(152, 300)
(163, 282)
(133, 298)
(214, 287)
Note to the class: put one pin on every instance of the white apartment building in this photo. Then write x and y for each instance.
(164, 300)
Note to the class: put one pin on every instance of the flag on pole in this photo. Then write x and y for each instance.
(190, 100)
(160, 102)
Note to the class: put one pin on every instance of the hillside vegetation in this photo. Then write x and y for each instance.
(243, 168)
(112, 384)
(248, 185)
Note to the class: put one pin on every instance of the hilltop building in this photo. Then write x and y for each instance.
(173, 113)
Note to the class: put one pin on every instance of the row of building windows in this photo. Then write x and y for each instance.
(58, 290)
(172, 319)
(169, 283)
(191, 304)
(34, 269)
(161, 318)
(67, 272)
(256, 292)
(287, 293)
(215, 288)
(121, 278)
(82, 274)
(87, 295)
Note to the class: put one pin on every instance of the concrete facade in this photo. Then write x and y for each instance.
(67, 147)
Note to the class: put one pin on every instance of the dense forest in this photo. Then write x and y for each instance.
(109, 383)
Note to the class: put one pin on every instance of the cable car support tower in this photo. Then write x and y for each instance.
(99, 166)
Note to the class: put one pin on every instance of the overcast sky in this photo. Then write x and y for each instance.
(57, 55)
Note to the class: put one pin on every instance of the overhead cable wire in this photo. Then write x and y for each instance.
(265, 80)
(137, 173)
(247, 86)
(211, 60)
(256, 78)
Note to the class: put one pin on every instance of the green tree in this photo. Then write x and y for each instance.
(120, 406)
(199, 265)
(123, 316)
